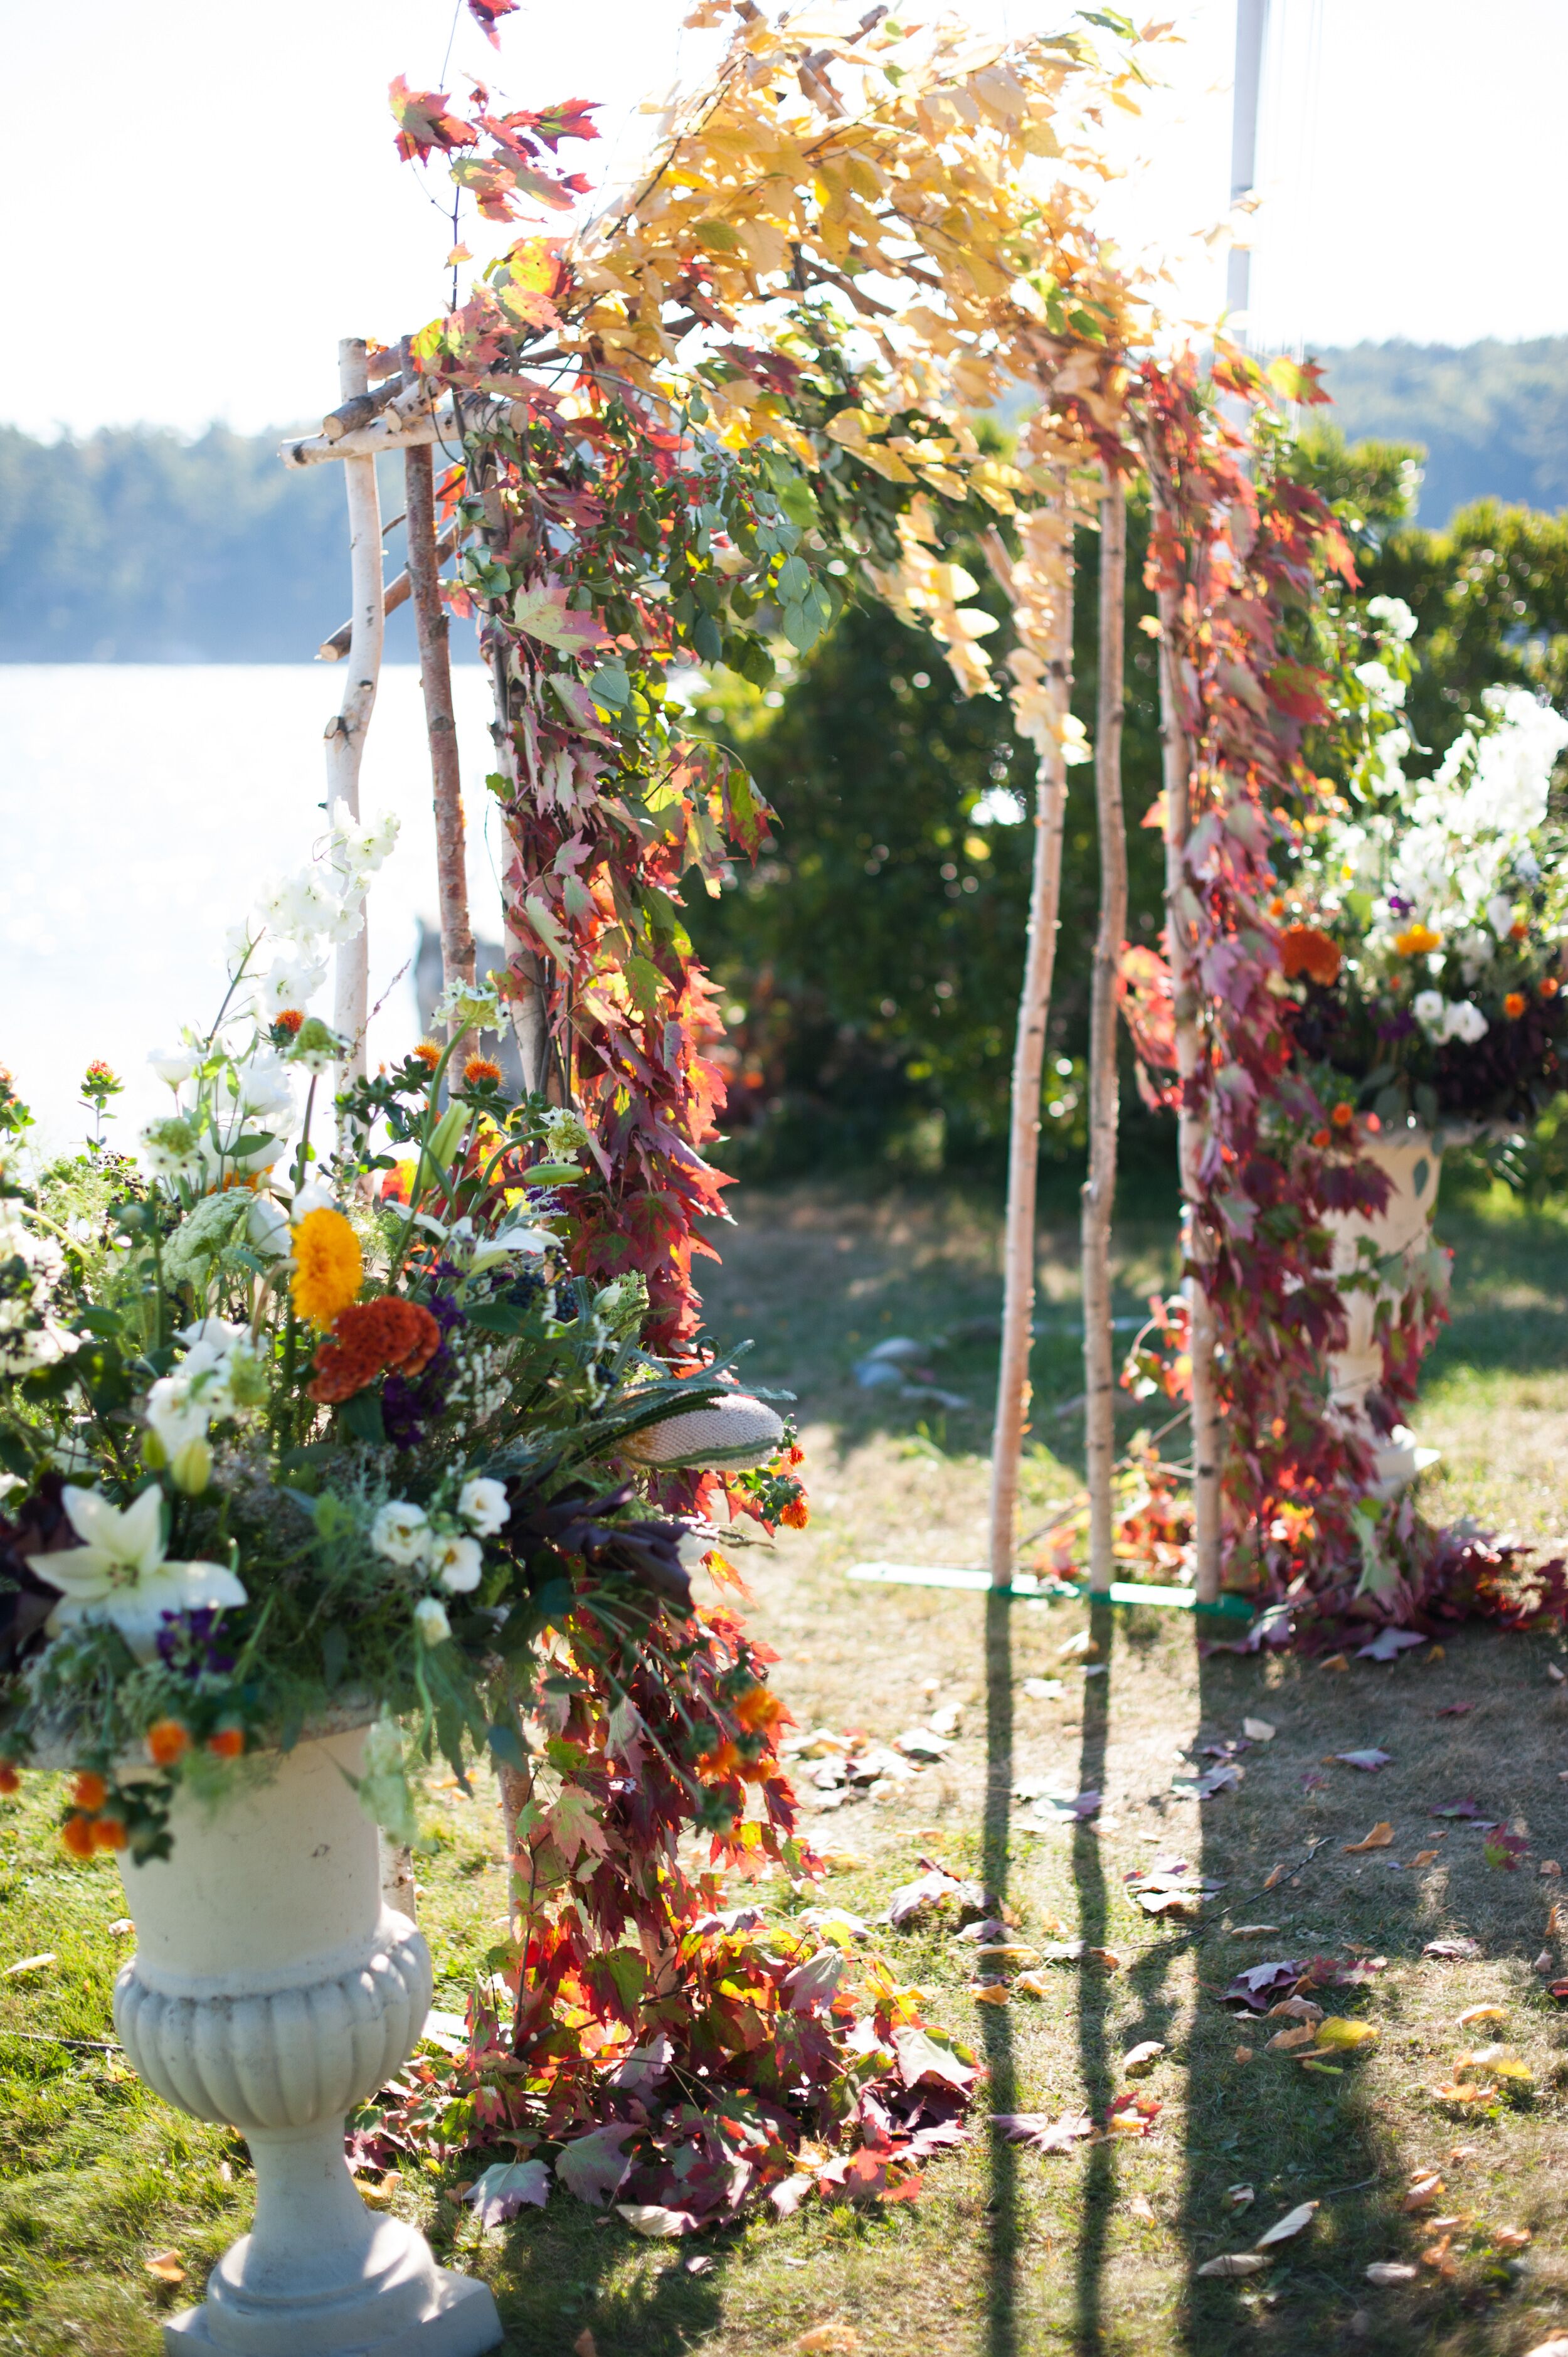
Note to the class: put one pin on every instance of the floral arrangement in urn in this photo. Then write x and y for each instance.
(295, 1433)
(1424, 930)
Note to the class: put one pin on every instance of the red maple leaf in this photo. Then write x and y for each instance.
(485, 14)
(424, 122)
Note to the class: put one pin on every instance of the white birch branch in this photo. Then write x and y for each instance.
(334, 648)
(1177, 768)
(440, 721)
(1029, 1060)
(1100, 1188)
(347, 730)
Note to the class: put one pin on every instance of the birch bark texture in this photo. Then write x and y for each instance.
(1191, 1126)
(1039, 588)
(440, 720)
(1100, 1187)
(347, 729)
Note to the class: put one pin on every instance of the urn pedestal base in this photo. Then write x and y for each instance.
(1402, 1230)
(272, 1989)
(319, 2276)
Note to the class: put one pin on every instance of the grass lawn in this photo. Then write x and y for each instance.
(1008, 2252)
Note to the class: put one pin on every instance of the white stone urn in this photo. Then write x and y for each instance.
(1412, 1159)
(273, 1990)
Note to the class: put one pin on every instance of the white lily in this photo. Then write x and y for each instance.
(508, 1244)
(120, 1573)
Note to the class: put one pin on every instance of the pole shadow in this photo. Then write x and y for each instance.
(1004, 2225)
(1099, 2184)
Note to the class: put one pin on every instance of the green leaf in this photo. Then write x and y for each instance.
(706, 640)
(334, 1654)
(609, 685)
(507, 1747)
(716, 237)
(362, 1417)
(794, 580)
(498, 1316)
(800, 629)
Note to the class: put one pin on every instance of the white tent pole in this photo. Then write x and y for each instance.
(1251, 27)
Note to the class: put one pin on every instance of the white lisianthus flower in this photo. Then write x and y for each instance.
(119, 1574)
(1428, 1009)
(430, 1619)
(457, 1561)
(174, 1065)
(1464, 1020)
(359, 847)
(400, 1531)
(483, 1506)
(1382, 685)
(300, 908)
(266, 1228)
(293, 982)
(1500, 915)
(220, 1376)
(315, 1195)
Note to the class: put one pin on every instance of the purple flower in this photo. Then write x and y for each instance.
(1399, 1025)
(185, 1642)
(408, 1407)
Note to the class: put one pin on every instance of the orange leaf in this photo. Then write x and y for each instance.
(1381, 1837)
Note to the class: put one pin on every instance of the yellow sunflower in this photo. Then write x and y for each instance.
(328, 1271)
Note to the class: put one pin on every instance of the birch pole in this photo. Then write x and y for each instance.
(1176, 753)
(1040, 589)
(440, 720)
(347, 729)
(1100, 1188)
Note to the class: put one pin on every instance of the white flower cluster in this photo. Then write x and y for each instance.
(1449, 1019)
(447, 1546)
(31, 1265)
(308, 914)
(1450, 854)
(219, 1375)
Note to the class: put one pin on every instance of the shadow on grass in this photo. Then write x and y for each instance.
(550, 2288)
(996, 2027)
(1097, 2076)
(1292, 2132)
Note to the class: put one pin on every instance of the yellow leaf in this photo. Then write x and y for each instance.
(1381, 1837)
(1425, 2188)
(25, 1964)
(166, 2267)
(992, 1992)
(1480, 2013)
(1334, 2030)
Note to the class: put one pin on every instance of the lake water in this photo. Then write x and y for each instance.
(141, 808)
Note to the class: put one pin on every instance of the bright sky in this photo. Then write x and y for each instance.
(200, 199)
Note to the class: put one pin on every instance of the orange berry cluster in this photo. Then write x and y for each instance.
(91, 1823)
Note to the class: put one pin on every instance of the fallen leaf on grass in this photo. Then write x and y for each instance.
(1367, 1761)
(1545, 1964)
(1132, 2114)
(1425, 1857)
(165, 2266)
(1082, 1643)
(1556, 2347)
(1031, 1984)
(1391, 2271)
(920, 1897)
(1337, 2030)
(1335, 1662)
(120, 1927)
(1388, 1643)
(1043, 1689)
(1041, 2133)
(585, 2344)
(1296, 2009)
(1076, 1951)
(1275, 1874)
(1244, 2053)
(1460, 2152)
(702, 2264)
(1465, 1808)
(1549, 1868)
(1259, 1730)
(652, 2219)
(1255, 1931)
(1455, 1709)
(1458, 2093)
(923, 2056)
(1475, 2013)
(1239, 2197)
(25, 1965)
(507, 2188)
(1140, 2206)
(1554, 1673)
(1287, 2040)
(1425, 2188)
(1449, 1951)
(1510, 2238)
(1504, 1851)
(833, 2340)
(1234, 2263)
(1381, 1837)
(1437, 2257)
(1497, 2062)
(1140, 2059)
(991, 1992)
(1294, 2222)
